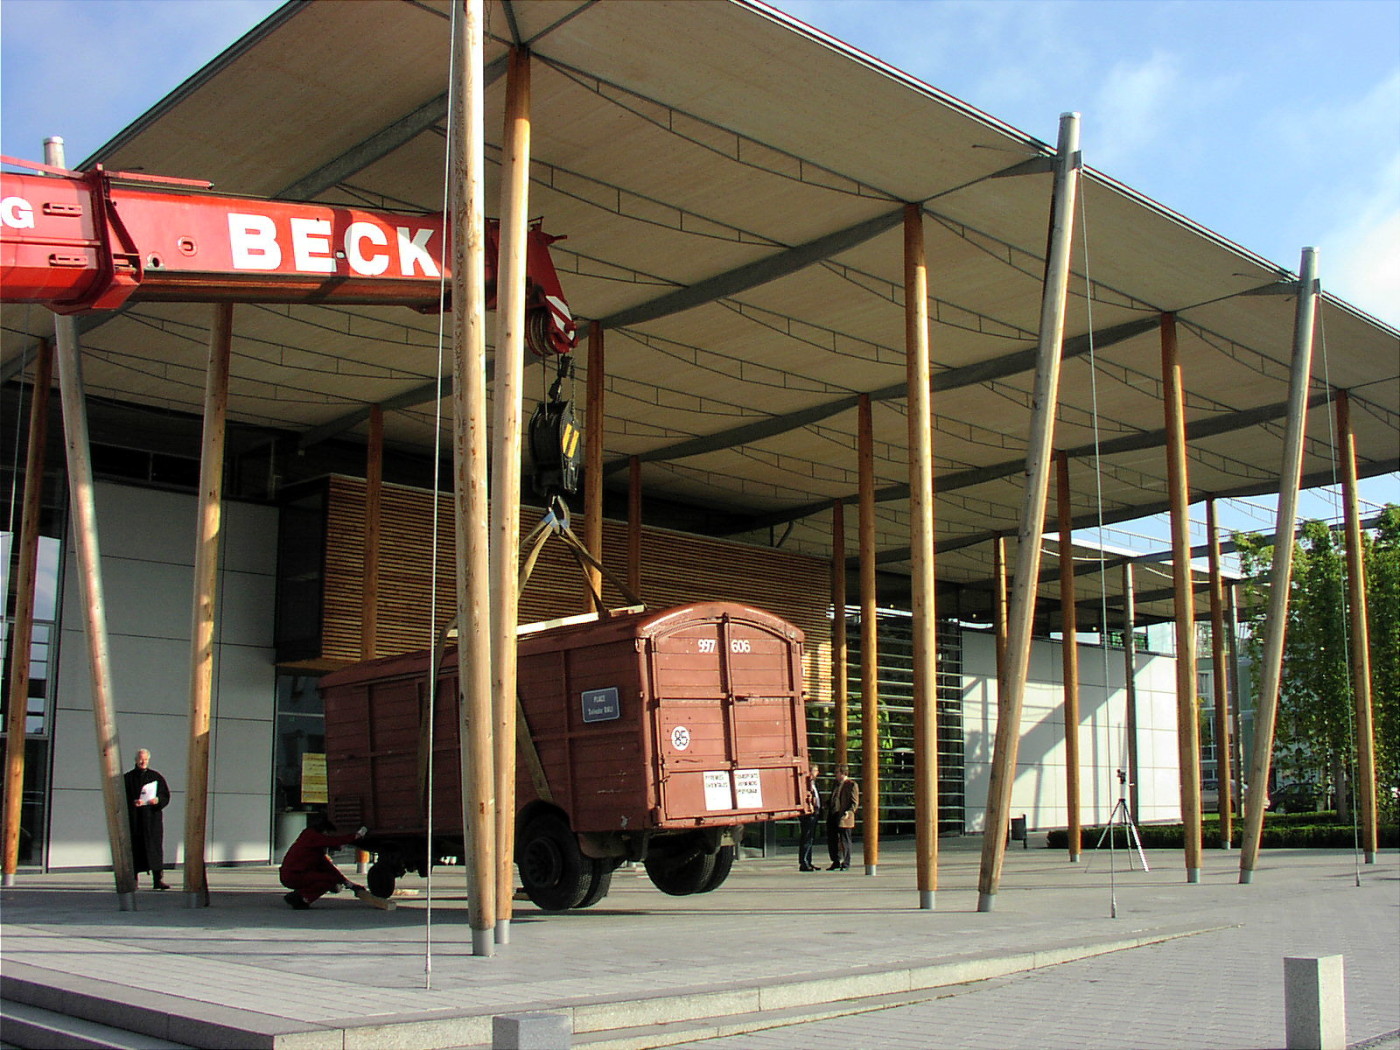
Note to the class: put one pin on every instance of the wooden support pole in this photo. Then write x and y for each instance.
(869, 647)
(204, 615)
(921, 577)
(1360, 634)
(840, 664)
(634, 525)
(83, 507)
(1281, 571)
(1132, 769)
(374, 516)
(1188, 732)
(505, 466)
(1039, 444)
(593, 462)
(999, 609)
(1069, 653)
(1232, 640)
(22, 638)
(469, 475)
(84, 511)
(1224, 769)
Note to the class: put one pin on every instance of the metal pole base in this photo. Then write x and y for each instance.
(8, 879)
(1225, 845)
(1370, 859)
(926, 900)
(196, 900)
(985, 901)
(126, 902)
(1246, 876)
(483, 943)
(503, 931)
(870, 869)
(1193, 875)
(1074, 858)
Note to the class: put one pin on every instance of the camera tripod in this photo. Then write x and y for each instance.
(1121, 817)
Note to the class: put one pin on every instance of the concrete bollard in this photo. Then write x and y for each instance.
(1314, 1003)
(532, 1031)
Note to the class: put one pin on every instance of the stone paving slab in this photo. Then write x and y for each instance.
(343, 966)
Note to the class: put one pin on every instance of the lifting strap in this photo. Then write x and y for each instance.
(556, 523)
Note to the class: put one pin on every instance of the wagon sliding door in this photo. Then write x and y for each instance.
(730, 727)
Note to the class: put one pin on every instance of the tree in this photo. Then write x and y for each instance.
(1315, 733)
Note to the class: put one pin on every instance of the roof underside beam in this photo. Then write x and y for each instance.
(949, 379)
(953, 480)
(753, 274)
(1085, 521)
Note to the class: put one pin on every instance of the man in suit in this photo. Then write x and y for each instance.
(807, 823)
(841, 819)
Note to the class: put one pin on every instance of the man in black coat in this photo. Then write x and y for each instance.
(841, 809)
(146, 795)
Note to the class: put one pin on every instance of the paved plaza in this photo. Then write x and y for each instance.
(773, 959)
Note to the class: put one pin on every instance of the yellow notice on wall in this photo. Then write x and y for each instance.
(313, 778)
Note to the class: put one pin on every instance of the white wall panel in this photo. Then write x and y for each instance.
(1039, 789)
(147, 542)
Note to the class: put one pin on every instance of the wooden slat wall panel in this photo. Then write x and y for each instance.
(676, 568)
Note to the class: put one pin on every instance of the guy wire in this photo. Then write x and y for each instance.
(1099, 533)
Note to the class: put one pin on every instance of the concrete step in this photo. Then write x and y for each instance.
(34, 1028)
(158, 1019)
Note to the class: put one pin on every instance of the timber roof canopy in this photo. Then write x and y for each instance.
(731, 185)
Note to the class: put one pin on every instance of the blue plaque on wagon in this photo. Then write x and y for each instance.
(600, 705)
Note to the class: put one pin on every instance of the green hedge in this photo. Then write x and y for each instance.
(1281, 831)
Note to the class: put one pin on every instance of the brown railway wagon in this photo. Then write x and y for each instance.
(646, 736)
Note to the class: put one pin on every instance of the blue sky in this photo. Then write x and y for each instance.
(1275, 123)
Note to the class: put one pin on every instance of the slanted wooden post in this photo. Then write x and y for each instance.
(999, 609)
(1132, 769)
(1360, 634)
(22, 639)
(593, 462)
(469, 476)
(840, 669)
(922, 605)
(1039, 444)
(83, 505)
(1069, 652)
(869, 647)
(634, 525)
(1281, 571)
(204, 616)
(1188, 732)
(1224, 769)
(505, 466)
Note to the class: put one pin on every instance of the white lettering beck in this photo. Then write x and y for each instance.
(370, 264)
(311, 245)
(413, 251)
(253, 242)
(17, 213)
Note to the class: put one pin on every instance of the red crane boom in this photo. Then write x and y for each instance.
(77, 241)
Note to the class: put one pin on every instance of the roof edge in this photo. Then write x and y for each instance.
(196, 80)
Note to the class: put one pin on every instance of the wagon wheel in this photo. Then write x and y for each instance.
(381, 876)
(724, 860)
(600, 881)
(555, 874)
(683, 872)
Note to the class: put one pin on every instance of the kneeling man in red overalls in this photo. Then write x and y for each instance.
(307, 871)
